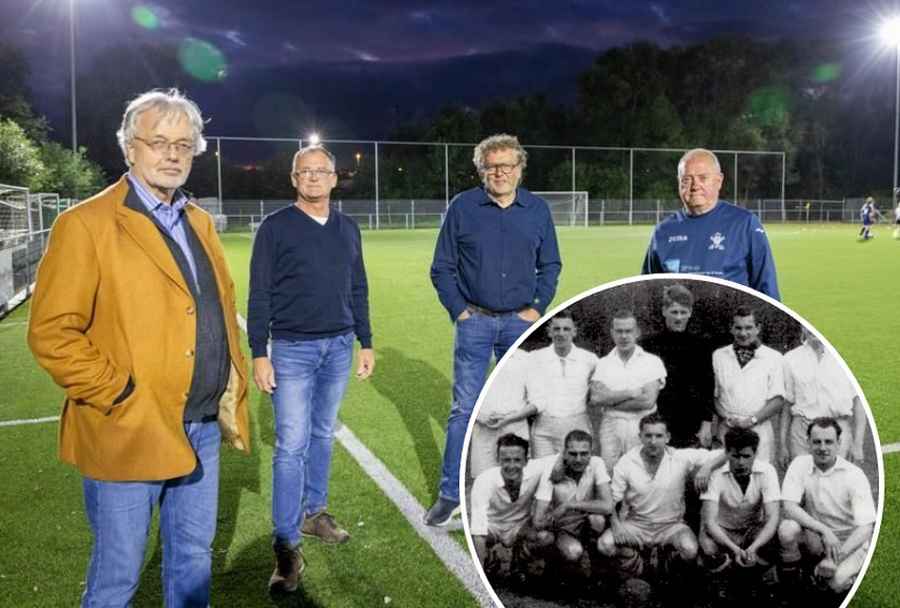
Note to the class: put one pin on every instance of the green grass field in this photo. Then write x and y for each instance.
(844, 288)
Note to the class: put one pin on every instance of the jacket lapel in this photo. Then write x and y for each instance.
(141, 228)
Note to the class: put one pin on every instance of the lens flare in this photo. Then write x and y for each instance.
(202, 60)
(826, 72)
(768, 105)
(145, 17)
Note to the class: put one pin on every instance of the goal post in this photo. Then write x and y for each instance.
(568, 208)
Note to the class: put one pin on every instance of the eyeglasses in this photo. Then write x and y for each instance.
(308, 173)
(162, 146)
(701, 178)
(504, 168)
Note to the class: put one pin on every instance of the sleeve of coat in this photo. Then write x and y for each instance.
(61, 312)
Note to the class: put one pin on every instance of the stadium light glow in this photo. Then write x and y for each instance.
(314, 139)
(890, 31)
(890, 34)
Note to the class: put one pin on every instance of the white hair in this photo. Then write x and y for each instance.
(697, 152)
(166, 102)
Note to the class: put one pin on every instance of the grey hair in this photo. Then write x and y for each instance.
(697, 152)
(493, 143)
(167, 102)
(309, 150)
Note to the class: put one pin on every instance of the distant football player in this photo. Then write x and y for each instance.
(868, 214)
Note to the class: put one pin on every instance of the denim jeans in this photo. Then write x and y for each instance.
(311, 376)
(477, 338)
(119, 514)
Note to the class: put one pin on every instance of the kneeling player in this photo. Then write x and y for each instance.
(649, 481)
(501, 499)
(828, 511)
(740, 507)
(573, 499)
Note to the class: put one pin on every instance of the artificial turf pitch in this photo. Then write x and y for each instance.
(846, 289)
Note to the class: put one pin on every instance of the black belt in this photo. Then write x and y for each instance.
(488, 312)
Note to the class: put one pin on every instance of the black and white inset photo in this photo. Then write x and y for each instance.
(672, 441)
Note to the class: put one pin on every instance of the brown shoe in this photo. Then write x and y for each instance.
(289, 567)
(322, 526)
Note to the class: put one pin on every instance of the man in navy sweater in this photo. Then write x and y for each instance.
(496, 265)
(710, 236)
(308, 291)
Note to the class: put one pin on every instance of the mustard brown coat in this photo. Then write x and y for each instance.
(111, 302)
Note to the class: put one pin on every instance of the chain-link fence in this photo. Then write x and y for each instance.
(396, 184)
(25, 221)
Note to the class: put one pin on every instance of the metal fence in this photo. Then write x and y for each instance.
(402, 184)
(25, 221)
(243, 215)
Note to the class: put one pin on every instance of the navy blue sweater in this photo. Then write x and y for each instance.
(307, 281)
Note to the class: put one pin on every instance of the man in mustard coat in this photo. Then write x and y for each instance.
(133, 316)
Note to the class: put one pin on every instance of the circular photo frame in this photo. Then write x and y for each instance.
(672, 440)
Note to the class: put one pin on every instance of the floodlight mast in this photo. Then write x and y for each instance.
(72, 73)
(890, 33)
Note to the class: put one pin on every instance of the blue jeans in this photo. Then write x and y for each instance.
(311, 376)
(119, 515)
(477, 338)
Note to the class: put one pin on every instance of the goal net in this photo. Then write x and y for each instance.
(14, 220)
(569, 208)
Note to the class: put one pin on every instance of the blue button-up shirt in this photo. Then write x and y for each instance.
(502, 259)
(170, 217)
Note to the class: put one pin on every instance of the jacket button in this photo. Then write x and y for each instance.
(189, 310)
(189, 352)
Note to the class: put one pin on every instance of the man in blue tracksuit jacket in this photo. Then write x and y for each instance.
(710, 236)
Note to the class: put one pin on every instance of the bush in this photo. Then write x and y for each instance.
(20, 158)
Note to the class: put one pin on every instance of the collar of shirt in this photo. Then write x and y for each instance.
(637, 456)
(756, 468)
(758, 351)
(167, 214)
(685, 214)
(519, 200)
(840, 464)
(818, 356)
(638, 352)
(572, 355)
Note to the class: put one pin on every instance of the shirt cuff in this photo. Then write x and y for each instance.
(365, 341)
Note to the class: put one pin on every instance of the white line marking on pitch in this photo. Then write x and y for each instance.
(454, 557)
(29, 421)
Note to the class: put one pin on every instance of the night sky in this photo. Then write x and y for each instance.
(236, 44)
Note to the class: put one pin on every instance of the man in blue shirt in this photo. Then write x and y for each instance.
(709, 236)
(308, 290)
(496, 265)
